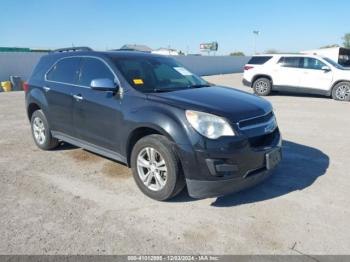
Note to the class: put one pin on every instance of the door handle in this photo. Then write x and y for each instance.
(78, 97)
(47, 89)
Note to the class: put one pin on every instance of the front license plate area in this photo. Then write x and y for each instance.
(273, 158)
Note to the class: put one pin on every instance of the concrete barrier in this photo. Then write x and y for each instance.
(22, 64)
(213, 65)
(17, 64)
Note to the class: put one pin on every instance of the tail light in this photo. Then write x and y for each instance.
(25, 86)
(248, 67)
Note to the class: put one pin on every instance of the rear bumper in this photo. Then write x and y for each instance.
(203, 189)
(246, 82)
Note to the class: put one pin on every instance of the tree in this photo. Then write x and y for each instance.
(346, 39)
(329, 46)
(237, 53)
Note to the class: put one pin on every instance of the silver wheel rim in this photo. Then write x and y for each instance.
(39, 130)
(152, 169)
(342, 92)
(261, 87)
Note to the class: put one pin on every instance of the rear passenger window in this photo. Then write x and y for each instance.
(65, 70)
(259, 60)
(290, 62)
(93, 68)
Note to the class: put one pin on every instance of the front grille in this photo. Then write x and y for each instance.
(255, 121)
(264, 140)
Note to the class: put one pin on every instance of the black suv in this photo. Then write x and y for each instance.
(149, 112)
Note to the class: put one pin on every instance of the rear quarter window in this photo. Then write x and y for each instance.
(41, 68)
(259, 60)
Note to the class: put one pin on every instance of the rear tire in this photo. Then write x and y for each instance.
(156, 168)
(262, 86)
(341, 91)
(41, 131)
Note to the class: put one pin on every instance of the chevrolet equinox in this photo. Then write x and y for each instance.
(149, 112)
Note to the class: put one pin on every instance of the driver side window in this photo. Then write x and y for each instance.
(312, 63)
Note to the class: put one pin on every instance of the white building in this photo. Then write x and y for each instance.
(166, 51)
(340, 55)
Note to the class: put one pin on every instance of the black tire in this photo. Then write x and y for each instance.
(174, 177)
(341, 91)
(48, 142)
(262, 86)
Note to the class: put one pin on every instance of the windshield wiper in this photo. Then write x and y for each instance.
(163, 90)
(199, 85)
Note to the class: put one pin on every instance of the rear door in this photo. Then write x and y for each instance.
(97, 114)
(59, 82)
(313, 76)
(288, 72)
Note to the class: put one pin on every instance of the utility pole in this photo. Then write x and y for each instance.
(256, 34)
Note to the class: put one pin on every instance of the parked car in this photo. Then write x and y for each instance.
(149, 112)
(297, 73)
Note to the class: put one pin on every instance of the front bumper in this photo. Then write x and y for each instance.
(228, 165)
(203, 189)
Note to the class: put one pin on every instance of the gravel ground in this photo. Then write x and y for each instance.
(70, 201)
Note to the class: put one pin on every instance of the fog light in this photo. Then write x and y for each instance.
(220, 168)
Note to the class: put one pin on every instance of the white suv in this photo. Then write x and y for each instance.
(297, 73)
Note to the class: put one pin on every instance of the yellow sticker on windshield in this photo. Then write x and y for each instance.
(138, 81)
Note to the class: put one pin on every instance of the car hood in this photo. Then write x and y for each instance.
(230, 103)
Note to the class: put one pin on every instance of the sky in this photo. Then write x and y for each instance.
(287, 26)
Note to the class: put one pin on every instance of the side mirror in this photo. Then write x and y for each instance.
(326, 68)
(103, 84)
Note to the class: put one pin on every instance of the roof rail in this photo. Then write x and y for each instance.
(72, 49)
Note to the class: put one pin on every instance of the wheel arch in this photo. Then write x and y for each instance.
(256, 77)
(32, 107)
(337, 82)
(331, 91)
(35, 100)
(141, 132)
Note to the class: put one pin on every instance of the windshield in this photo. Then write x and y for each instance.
(157, 74)
(330, 61)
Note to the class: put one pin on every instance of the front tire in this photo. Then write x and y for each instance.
(262, 86)
(41, 131)
(341, 91)
(156, 168)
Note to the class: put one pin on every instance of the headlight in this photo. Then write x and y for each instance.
(208, 125)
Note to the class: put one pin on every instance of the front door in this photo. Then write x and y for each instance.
(97, 114)
(314, 77)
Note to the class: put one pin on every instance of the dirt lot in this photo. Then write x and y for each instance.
(70, 201)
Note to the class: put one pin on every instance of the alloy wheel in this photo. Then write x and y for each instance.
(152, 169)
(342, 92)
(261, 87)
(39, 130)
